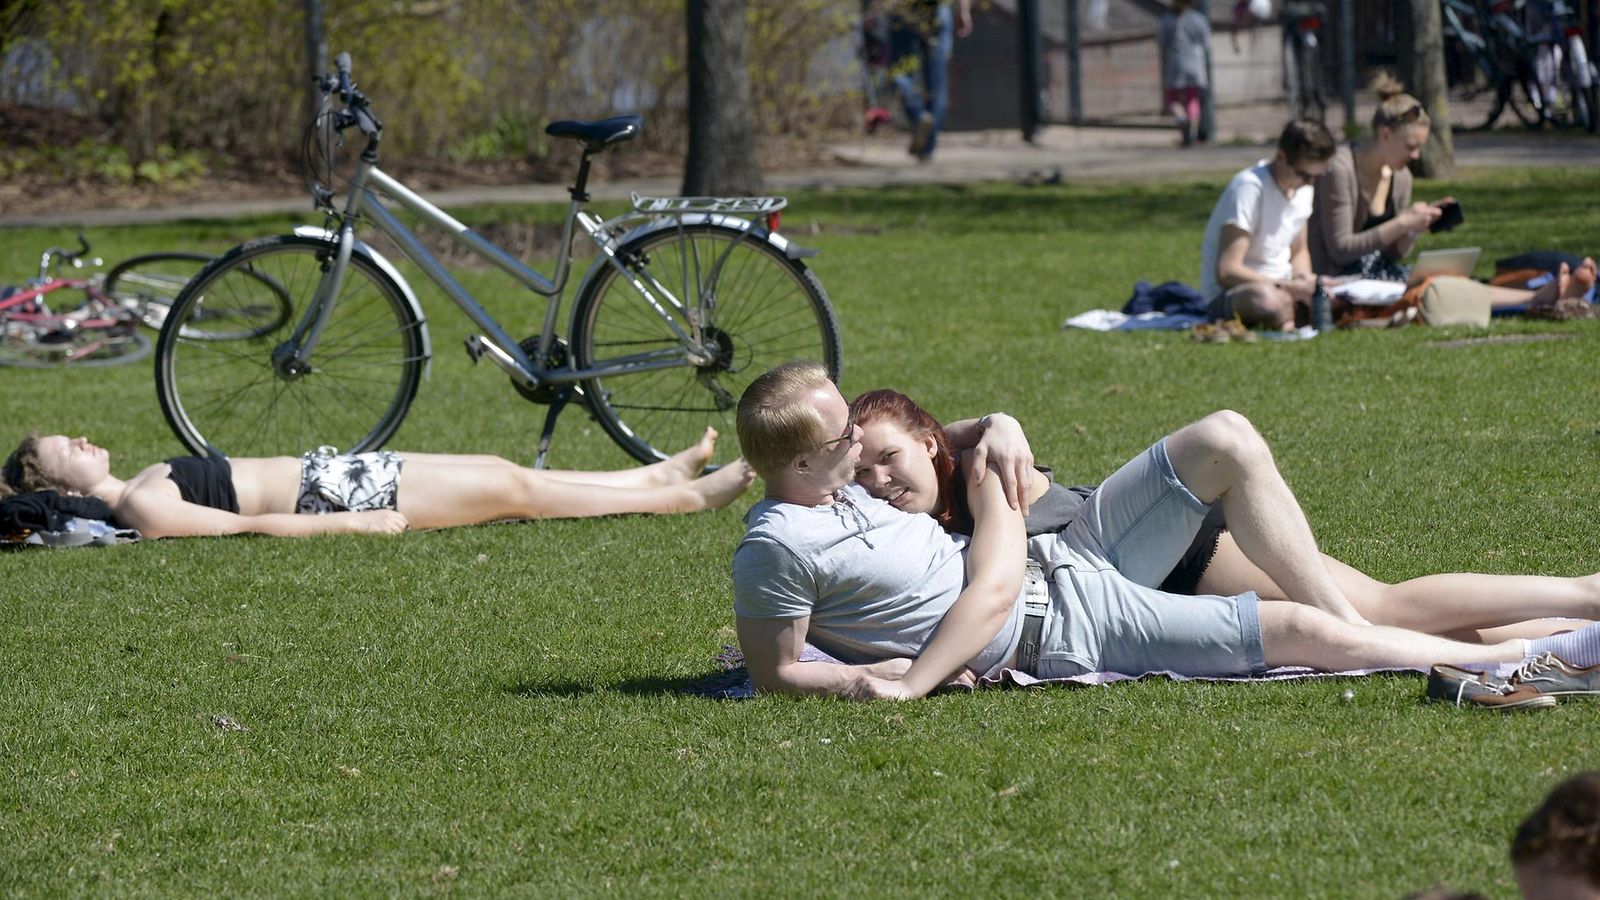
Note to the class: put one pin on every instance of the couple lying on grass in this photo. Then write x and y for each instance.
(191, 496)
(908, 602)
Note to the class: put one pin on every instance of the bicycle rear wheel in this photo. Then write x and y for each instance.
(248, 395)
(78, 348)
(149, 284)
(759, 309)
(1312, 104)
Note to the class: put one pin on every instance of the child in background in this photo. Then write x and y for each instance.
(1184, 39)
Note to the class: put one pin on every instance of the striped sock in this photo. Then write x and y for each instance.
(1581, 647)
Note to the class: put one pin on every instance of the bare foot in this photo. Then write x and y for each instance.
(1556, 288)
(686, 464)
(1583, 278)
(725, 484)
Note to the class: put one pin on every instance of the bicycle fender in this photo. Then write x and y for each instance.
(362, 248)
(787, 247)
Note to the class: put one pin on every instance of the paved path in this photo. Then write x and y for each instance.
(1058, 153)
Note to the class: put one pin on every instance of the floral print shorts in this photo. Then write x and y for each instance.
(354, 482)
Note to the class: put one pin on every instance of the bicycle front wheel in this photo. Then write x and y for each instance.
(79, 348)
(757, 309)
(255, 394)
(149, 285)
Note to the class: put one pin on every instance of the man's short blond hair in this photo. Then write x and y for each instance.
(775, 423)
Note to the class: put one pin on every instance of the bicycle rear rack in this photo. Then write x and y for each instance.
(682, 205)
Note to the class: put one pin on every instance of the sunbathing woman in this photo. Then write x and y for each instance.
(906, 460)
(384, 491)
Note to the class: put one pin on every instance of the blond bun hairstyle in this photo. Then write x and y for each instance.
(1395, 106)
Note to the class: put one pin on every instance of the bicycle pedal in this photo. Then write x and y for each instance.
(475, 348)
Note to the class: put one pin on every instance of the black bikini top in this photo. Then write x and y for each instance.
(204, 481)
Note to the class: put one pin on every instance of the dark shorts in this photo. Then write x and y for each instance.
(1220, 309)
(1185, 576)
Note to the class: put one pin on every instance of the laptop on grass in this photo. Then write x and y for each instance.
(1458, 261)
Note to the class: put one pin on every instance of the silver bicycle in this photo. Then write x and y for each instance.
(687, 302)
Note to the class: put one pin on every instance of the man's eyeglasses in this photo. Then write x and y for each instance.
(848, 438)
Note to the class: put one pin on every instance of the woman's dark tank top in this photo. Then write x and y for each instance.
(204, 481)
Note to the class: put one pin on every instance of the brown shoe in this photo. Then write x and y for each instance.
(1238, 331)
(1460, 687)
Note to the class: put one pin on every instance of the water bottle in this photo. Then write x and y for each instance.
(1321, 308)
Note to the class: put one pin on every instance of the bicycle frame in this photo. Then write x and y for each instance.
(371, 184)
(37, 291)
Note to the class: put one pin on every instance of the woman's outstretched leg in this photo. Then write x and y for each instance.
(1567, 284)
(1465, 605)
(680, 467)
(436, 494)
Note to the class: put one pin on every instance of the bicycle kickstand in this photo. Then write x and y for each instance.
(557, 403)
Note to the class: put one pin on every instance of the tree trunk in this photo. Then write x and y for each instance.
(1419, 40)
(722, 140)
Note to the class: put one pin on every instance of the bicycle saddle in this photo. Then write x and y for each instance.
(600, 134)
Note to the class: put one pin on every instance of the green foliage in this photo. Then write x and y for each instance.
(90, 160)
(494, 711)
(448, 78)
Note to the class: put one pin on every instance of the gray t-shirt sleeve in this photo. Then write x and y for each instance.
(770, 581)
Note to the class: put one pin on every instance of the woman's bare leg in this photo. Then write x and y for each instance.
(1459, 604)
(678, 468)
(437, 494)
(1567, 284)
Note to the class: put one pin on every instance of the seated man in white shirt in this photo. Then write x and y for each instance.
(1255, 261)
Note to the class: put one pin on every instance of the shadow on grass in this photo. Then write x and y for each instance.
(730, 684)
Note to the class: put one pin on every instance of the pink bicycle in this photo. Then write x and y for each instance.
(97, 332)
(103, 329)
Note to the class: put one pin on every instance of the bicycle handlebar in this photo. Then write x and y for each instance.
(62, 253)
(357, 109)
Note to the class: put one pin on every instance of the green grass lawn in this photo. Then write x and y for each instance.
(496, 710)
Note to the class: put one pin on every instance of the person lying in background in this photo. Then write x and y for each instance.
(385, 491)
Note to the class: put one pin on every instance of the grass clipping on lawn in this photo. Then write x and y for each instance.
(490, 710)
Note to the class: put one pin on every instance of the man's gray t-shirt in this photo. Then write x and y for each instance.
(875, 581)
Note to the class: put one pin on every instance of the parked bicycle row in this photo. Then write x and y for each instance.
(1528, 56)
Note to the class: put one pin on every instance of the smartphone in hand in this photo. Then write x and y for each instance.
(1450, 216)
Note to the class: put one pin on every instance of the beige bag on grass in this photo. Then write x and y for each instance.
(1455, 301)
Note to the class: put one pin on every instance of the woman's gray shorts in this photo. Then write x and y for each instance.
(1106, 615)
(358, 482)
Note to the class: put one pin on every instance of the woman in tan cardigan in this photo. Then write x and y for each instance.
(1364, 221)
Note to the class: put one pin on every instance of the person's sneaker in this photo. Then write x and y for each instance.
(1460, 687)
(1553, 677)
(920, 132)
